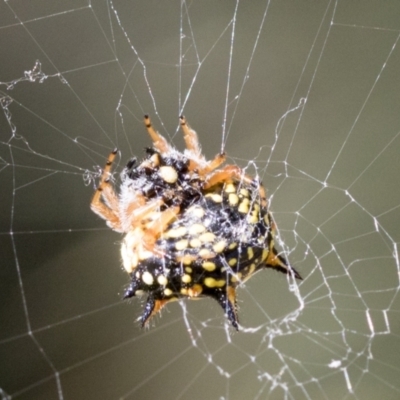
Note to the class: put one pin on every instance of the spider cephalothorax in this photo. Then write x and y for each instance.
(192, 229)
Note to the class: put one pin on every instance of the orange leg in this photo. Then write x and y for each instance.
(158, 226)
(154, 229)
(108, 210)
(213, 164)
(190, 137)
(192, 144)
(160, 143)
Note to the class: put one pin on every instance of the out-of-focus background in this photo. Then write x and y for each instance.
(304, 93)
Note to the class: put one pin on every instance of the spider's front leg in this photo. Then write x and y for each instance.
(109, 209)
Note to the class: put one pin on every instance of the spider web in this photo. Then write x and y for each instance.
(305, 94)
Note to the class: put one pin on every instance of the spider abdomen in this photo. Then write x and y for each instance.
(213, 245)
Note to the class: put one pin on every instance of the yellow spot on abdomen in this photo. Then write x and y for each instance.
(208, 266)
(195, 229)
(244, 192)
(195, 243)
(250, 253)
(196, 211)
(253, 219)
(181, 244)
(244, 206)
(207, 237)
(264, 254)
(167, 292)
(230, 188)
(219, 246)
(216, 198)
(232, 262)
(176, 233)
(147, 278)
(233, 199)
(211, 282)
(162, 280)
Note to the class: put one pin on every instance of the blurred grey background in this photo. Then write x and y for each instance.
(331, 169)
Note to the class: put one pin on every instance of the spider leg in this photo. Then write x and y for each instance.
(159, 225)
(160, 143)
(227, 300)
(108, 210)
(109, 196)
(190, 137)
(192, 144)
(156, 228)
(140, 240)
(137, 212)
(213, 164)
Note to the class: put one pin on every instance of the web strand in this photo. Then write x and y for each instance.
(304, 99)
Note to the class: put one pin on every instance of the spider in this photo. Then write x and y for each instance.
(192, 228)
